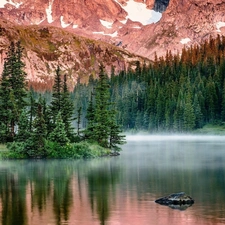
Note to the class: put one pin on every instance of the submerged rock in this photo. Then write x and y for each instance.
(176, 199)
(114, 154)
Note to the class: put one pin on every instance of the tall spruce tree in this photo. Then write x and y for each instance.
(56, 103)
(23, 127)
(90, 116)
(59, 135)
(67, 109)
(35, 145)
(102, 115)
(13, 89)
(115, 136)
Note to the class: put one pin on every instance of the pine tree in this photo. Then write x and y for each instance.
(189, 115)
(102, 116)
(78, 121)
(115, 136)
(59, 135)
(56, 103)
(13, 89)
(67, 109)
(32, 109)
(90, 116)
(23, 127)
(5, 105)
(35, 145)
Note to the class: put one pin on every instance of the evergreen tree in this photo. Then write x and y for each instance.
(198, 113)
(32, 109)
(23, 127)
(90, 116)
(5, 105)
(35, 145)
(115, 136)
(78, 121)
(189, 115)
(102, 116)
(18, 79)
(12, 90)
(59, 135)
(56, 103)
(67, 109)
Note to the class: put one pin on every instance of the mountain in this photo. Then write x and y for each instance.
(184, 23)
(113, 21)
(141, 27)
(47, 47)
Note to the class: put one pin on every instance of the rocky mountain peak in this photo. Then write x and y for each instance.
(142, 27)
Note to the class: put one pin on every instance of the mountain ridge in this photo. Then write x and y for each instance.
(141, 27)
(45, 48)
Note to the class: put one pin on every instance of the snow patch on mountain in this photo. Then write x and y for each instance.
(49, 11)
(63, 24)
(138, 12)
(185, 41)
(115, 34)
(106, 24)
(219, 25)
(75, 26)
(3, 2)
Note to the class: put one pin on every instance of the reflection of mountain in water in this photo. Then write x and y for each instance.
(53, 188)
(118, 190)
(39, 182)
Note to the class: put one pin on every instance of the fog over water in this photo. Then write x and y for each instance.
(120, 190)
(174, 137)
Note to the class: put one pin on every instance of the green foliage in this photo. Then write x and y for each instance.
(67, 109)
(23, 127)
(16, 150)
(102, 116)
(12, 91)
(102, 125)
(56, 103)
(35, 145)
(82, 150)
(59, 133)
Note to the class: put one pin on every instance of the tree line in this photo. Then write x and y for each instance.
(176, 93)
(38, 129)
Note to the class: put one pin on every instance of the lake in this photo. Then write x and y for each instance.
(119, 190)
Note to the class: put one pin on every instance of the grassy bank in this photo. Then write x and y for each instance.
(81, 150)
(3, 148)
(211, 129)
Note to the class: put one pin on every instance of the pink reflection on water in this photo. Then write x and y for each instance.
(127, 208)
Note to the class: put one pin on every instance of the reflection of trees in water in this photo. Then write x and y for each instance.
(62, 197)
(45, 180)
(101, 185)
(13, 199)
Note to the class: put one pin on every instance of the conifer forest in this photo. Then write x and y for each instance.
(176, 93)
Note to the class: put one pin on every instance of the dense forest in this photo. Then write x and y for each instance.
(176, 93)
(36, 128)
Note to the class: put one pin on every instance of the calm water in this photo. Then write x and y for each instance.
(119, 190)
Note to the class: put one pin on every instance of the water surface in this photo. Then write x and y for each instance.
(119, 190)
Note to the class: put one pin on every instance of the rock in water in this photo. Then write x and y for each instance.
(176, 199)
